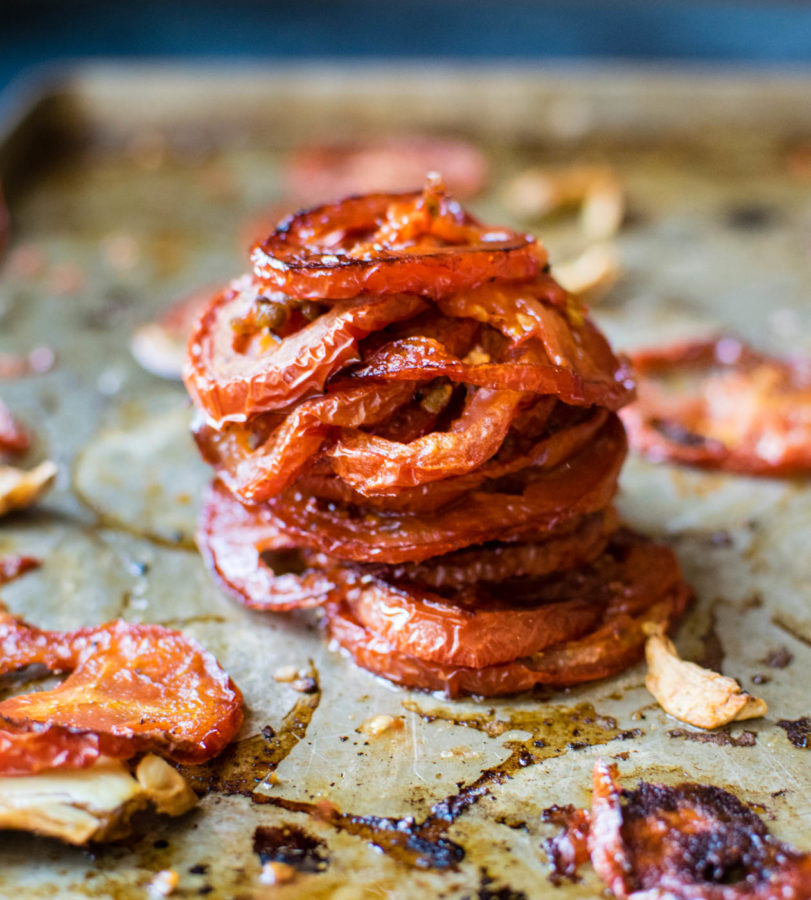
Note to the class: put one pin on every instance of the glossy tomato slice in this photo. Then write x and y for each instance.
(721, 405)
(615, 642)
(422, 624)
(491, 564)
(421, 243)
(374, 465)
(29, 752)
(584, 484)
(137, 688)
(234, 376)
(236, 542)
(258, 466)
(524, 368)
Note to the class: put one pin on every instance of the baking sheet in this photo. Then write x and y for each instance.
(133, 185)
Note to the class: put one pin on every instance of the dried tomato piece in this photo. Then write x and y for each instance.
(610, 650)
(135, 687)
(260, 473)
(13, 437)
(235, 379)
(418, 623)
(549, 451)
(566, 548)
(393, 163)
(527, 368)
(584, 484)
(593, 616)
(391, 243)
(685, 841)
(29, 752)
(721, 405)
(541, 310)
(374, 465)
(236, 542)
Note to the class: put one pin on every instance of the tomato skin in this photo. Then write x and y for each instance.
(137, 688)
(745, 412)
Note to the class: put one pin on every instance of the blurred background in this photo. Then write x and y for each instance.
(719, 31)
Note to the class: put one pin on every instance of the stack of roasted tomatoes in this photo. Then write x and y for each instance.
(414, 426)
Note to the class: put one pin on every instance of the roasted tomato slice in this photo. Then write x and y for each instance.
(258, 466)
(608, 651)
(523, 368)
(391, 243)
(419, 623)
(239, 543)
(234, 374)
(493, 563)
(645, 586)
(544, 499)
(519, 460)
(685, 841)
(135, 687)
(719, 404)
(29, 752)
(388, 164)
(374, 465)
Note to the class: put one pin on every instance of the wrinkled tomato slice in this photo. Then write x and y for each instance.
(494, 563)
(418, 623)
(236, 542)
(485, 625)
(137, 688)
(584, 484)
(545, 453)
(609, 651)
(529, 369)
(391, 243)
(719, 404)
(234, 376)
(29, 752)
(374, 465)
(685, 841)
(259, 473)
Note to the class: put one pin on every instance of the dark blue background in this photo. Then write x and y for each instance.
(35, 31)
